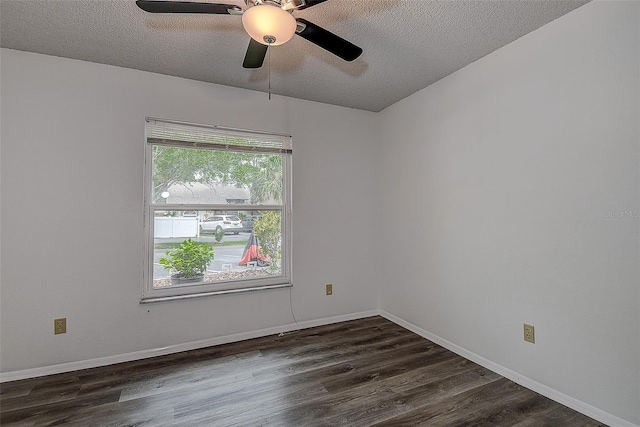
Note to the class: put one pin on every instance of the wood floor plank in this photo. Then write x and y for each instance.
(50, 394)
(368, 370)
(51, 411)
(556, 414)
(230, 370)
(357, 407)
(15, 389)
(363, 372)
(452, 409)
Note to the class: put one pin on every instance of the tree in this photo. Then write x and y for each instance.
(267, 229)
(261, 173)
(266, 180)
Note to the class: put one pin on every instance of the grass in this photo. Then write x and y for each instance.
(171, 245)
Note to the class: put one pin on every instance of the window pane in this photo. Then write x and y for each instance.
(208, 247)
(199, 176)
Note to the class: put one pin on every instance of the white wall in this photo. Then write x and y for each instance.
(520, 171)
(72, 237)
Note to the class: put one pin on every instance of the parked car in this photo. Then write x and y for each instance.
(217, 223)
(247, 223)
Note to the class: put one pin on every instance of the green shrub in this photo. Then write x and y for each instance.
(267, 230)
(188, 260)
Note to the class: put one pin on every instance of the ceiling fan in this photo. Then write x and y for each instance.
(268, 22)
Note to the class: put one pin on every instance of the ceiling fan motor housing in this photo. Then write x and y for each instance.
(278, 3)
(288, 5)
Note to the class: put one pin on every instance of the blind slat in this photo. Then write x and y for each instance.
(164, 132)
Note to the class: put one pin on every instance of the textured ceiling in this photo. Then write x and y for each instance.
(408, 44)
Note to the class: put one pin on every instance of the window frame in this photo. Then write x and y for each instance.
(151, 294)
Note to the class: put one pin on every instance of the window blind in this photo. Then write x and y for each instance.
(166, 132)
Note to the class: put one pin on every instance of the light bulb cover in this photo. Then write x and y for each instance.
(266, 22)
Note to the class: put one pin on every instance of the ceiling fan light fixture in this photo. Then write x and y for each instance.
(269, 24)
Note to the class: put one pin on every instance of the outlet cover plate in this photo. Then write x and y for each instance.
(60, 326)
(529, 333)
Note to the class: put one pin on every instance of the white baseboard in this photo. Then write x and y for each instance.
(145, 354)
(575, 404)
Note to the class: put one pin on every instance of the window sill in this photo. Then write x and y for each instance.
(149, 300)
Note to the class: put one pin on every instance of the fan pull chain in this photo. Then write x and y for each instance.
(269, 40)
(269, 66)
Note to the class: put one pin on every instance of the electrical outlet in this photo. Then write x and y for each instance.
(329, 289)
(60, 326)
(529, 333)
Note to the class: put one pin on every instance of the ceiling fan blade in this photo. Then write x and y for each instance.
(327, 40)
(255, 54)
(309, 3)
(158, 6)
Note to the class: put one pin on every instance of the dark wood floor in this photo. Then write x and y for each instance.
(360, 373)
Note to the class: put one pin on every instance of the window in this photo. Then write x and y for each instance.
(217, 210)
